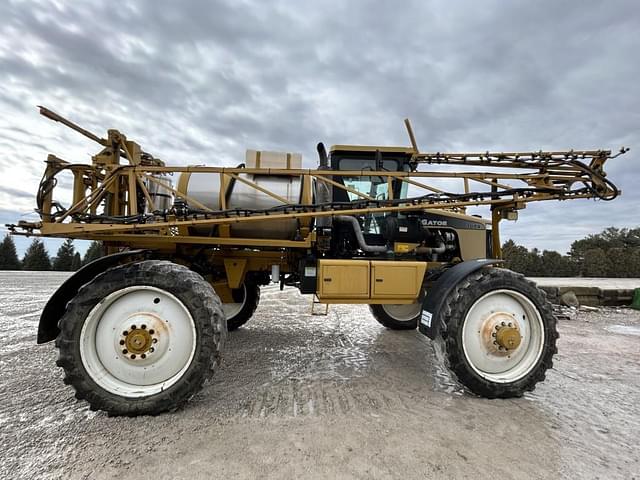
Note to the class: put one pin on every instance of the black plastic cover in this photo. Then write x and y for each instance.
(57, 304)
(430, 323)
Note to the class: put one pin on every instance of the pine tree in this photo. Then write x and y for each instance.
(36, 257)
(596, 263)
(517, 257)
(8, 255)
(77, 262)
(620, 265)
(64, 258)
(94, 252)
(536, 266)
(634, 262)
(556, 265)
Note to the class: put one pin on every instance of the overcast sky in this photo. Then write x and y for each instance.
(201, 81)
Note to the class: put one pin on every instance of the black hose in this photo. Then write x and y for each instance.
(359, 236)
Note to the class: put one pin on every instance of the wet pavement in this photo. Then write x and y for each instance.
(323, 397)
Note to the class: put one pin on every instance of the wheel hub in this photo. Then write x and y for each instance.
(138, 340)
(501, 333)
(139, 336)
(508, 337)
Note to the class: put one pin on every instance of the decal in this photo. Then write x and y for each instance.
(426, 318)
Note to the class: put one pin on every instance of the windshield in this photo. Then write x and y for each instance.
(374, 187)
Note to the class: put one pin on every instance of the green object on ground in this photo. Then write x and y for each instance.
(635, 303)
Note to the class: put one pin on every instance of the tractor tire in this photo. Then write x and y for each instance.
(498, 333)
(247, 298)
(397, 317)
(142, 338)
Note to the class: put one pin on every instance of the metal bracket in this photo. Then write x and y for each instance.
(316, 301)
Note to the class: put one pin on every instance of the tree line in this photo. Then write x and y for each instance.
(613, 252)
(37, 257)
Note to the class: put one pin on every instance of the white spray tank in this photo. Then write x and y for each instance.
(205, 188)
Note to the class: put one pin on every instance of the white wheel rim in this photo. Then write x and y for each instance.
(164, 356)
(232, 309)
(403, 312)
(488, 360)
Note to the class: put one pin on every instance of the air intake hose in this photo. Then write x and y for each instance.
(359, 236)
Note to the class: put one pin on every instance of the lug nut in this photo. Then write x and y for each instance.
(143, 356)
(133, 327)
(133, 356)
(155, 340)
(152, 331)
(121, 342)
(143, 326)
(125, 333)
(151, 350)
(125, 351)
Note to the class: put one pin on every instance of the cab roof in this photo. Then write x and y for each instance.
(370, 148)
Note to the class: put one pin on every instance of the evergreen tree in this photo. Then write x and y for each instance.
(619, 246)
(596, 263)
(36, 257)
(516, 257)
(634, 263)
(556, 265)
(77, 262)
(94, 252)
(536, 266)
(614, 252)
(64, 258)
(8, 255)
(619, 262)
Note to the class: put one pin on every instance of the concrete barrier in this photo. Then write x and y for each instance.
(594, 292)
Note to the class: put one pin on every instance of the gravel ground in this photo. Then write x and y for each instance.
(323, 397)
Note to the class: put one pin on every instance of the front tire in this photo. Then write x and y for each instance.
(141, 338)
(499, 333)
(397, 317)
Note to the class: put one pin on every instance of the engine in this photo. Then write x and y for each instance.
(423, 236)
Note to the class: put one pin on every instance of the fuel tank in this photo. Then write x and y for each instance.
(205, 188)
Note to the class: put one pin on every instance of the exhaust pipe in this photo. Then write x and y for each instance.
(324, 191)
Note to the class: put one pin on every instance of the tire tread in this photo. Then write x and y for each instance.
(206, 311)
(452, 317)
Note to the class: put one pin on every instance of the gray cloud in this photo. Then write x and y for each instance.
(200, 81)
(14, 192)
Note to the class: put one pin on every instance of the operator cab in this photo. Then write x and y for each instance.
(369, 158)
(361, 159)
(420, 234)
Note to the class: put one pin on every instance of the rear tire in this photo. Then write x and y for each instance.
(397, 317)
(142, 338)
(248, 297)
(472, 316)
